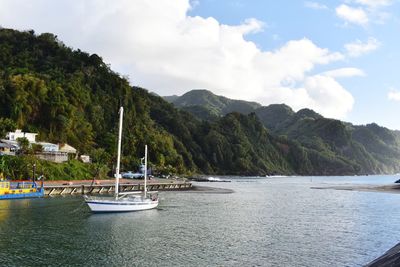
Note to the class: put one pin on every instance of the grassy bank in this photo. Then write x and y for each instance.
(21, 168)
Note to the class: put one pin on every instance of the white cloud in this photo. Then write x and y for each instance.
(374, 3)
(358, 48)
(163, 49)
(344, 72)
(352, 15)
(394, 95)
(315, 5)
(251, 25)
(324, 90)
(363, 12)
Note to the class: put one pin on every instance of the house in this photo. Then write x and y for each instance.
(51, 152)
(7, 149)
(13, 136)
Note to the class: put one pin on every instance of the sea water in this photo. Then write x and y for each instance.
(266, 221)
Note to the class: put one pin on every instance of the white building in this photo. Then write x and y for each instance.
(85, 159)
(13, 136)
(50, 151)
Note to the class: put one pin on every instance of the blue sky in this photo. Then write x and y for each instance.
(318, 21)
(339, 58)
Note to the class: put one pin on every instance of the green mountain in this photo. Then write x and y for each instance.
(367, 149)
(69, 96)
(205, 105)
(373, 148)
(273, 115)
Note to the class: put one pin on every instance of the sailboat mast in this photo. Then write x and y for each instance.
(121, 115)
(145, 171)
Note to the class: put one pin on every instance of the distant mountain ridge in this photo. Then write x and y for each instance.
(371, 148)
(205, 105)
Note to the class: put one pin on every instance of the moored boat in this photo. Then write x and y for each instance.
(131, 203)
(20, 189)
(124, 201)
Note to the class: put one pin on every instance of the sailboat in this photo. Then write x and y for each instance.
(124, 201)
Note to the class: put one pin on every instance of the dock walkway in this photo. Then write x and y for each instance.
(104, 187)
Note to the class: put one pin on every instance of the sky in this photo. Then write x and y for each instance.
(338, 57)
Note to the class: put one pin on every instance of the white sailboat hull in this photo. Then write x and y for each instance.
(120, 205)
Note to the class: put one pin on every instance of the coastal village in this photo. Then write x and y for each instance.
(11, 145)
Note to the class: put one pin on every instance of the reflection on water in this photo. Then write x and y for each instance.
(266, 222)
(4, 209)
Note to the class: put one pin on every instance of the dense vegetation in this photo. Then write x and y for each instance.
(69, 96)
(24, 167)
(328, 146)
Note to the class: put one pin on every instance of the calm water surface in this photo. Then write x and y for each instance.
(265, 222)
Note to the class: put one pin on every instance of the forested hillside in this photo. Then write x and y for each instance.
(70, 96)
(359, 149)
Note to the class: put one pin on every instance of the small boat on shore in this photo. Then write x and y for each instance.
(20, 189)
(124, 201)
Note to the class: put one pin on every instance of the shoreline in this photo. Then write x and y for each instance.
(391, 188)
(208, 190)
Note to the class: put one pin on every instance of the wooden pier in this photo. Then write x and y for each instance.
(72, 189)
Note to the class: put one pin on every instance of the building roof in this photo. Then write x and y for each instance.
(9, 142)
(67, 148)
(46, 144)
(5, 145)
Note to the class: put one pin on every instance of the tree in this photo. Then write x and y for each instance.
(24, 145)
(100, 159)
(37, 148)
(6, 125)
(4, 170)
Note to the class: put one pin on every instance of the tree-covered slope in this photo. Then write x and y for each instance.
(69, 96)
(331, 146)
(273, 115)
